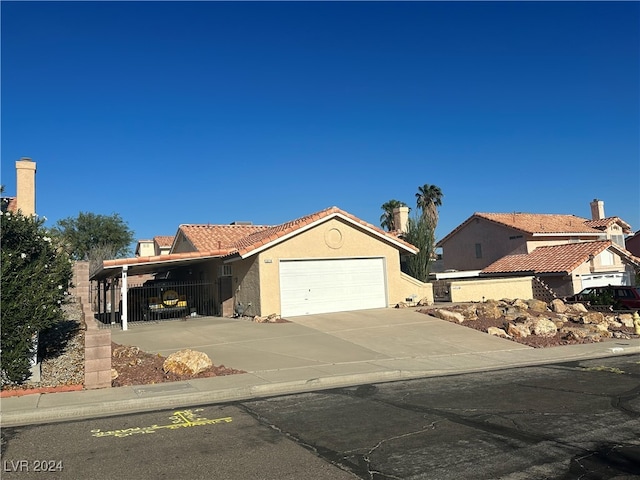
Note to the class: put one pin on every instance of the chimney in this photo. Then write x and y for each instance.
(400, 218)
(26, 186)
(597, 209)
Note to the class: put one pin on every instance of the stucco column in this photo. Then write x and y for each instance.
(26, 186)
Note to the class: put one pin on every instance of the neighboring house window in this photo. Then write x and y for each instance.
(478, 250)
(606, 258)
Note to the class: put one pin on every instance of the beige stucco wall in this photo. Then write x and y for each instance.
(496, 289)
(182, 245)
(246, 284)
(146, 249)
(414, 289)
(459, 252)
(335, 238)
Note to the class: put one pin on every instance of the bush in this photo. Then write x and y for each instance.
(36, 275)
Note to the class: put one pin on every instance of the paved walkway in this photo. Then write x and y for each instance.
(311, 353)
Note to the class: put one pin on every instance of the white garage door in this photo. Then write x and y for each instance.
(336, 285)
(603, 279)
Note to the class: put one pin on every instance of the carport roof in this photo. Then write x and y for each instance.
(155, 264)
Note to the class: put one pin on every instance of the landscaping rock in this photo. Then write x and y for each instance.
(187, 362)
(448, 315)
(498, 332)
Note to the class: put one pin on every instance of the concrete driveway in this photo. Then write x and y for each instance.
(345, 343)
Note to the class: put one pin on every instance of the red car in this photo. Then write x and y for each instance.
(620, 297)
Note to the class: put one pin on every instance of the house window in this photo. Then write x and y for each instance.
(478, 250)
(224, 271)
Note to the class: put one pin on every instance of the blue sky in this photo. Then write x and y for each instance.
(212, 112)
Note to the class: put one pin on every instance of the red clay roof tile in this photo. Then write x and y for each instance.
(552, 259)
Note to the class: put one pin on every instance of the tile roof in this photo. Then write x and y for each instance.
(607, 222)
(217, 237)
(164, 240)
(10, 204)
(553, 259)
(271, 234)
(245, 240)
(532, 223)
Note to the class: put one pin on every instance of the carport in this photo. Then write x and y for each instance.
(115, 273)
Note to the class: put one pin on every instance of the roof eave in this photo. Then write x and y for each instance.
(397, 243)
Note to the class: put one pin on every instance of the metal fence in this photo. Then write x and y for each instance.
(161, 300)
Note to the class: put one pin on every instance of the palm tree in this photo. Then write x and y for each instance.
(428, 199)
(386, 219)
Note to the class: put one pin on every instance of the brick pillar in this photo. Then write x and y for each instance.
(97, 342)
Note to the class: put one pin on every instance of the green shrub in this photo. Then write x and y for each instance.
(36, 276)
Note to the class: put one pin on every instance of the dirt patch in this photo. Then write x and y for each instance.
(135, 367)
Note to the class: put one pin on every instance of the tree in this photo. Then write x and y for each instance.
(89, 232)
(420, 233)
(428, 199)
(386, 219)
(36, 274)
(421, 230)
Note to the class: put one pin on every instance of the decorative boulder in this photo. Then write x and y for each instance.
(593, 317)
(448, 315)
(498, 332)
(544, 327)
(537, 305)
(576, 308)
(558, 306)
(519, 330)
(490, 309)
(187, 362)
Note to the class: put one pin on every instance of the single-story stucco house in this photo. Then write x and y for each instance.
(328, 261)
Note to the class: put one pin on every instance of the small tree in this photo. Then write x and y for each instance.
(36, 275)
(420, 233)
(92, 232)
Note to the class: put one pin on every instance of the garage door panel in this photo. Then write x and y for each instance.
(322, 286)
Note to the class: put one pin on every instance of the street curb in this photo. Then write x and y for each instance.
(263, 390)
(32, 391)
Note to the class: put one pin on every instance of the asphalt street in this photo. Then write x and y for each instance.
(571, 420)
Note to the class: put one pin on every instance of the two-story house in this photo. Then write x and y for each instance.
(507, 244)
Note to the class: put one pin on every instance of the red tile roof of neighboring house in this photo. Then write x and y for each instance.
(607, 222)
(532, 224)
(552, 259)
(164, 240)
(10, 204)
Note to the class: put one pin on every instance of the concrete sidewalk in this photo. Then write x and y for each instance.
(311, 353)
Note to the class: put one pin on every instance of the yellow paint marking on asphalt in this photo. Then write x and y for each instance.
(180, 419)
